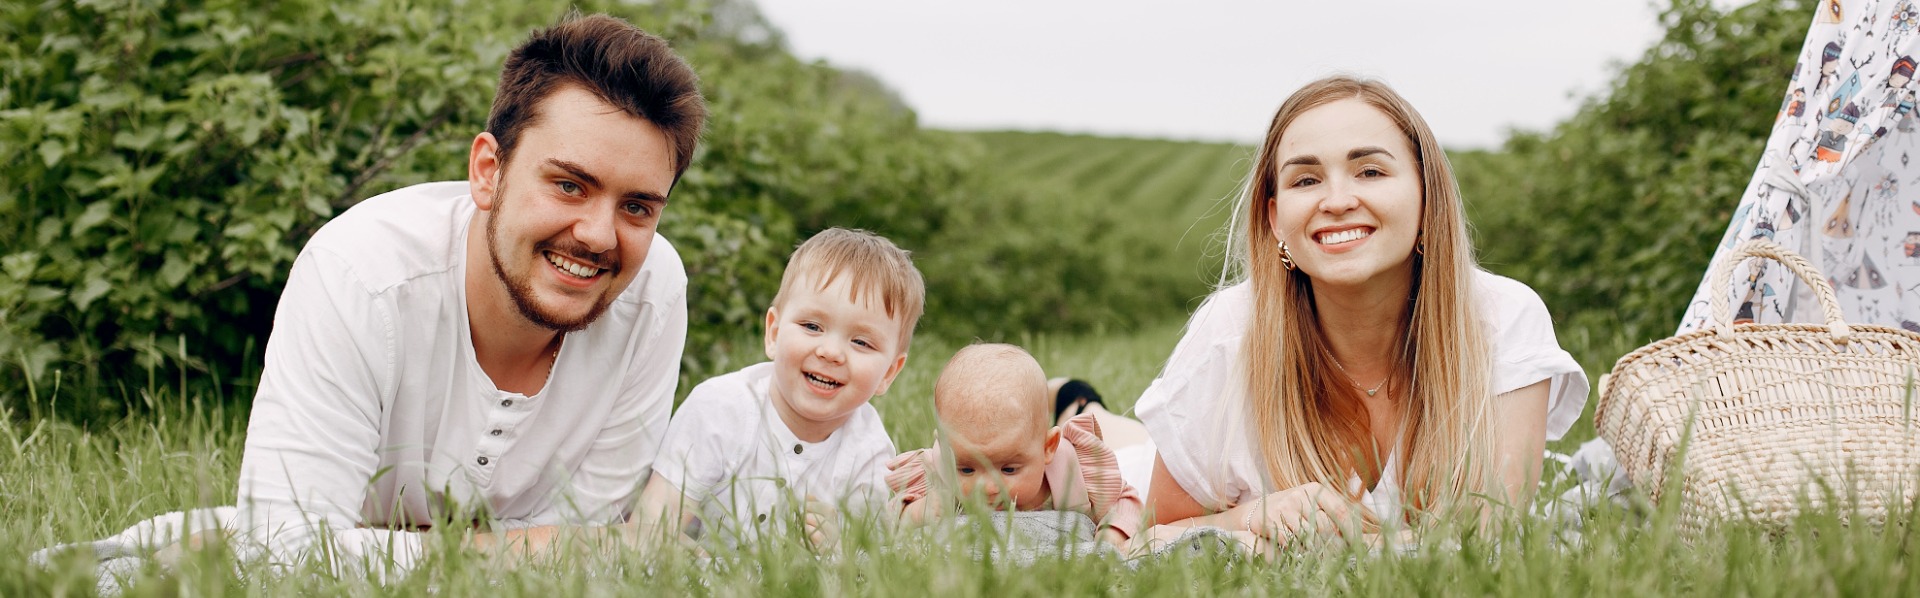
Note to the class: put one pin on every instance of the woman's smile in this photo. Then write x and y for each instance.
(1341, 239)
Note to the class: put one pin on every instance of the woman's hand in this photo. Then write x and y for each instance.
(1307, 509)
(1159, 536)
(171, 556)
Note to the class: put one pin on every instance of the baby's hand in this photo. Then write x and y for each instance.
(821, 522)
(920, 497)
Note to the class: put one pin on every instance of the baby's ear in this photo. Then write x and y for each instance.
(1053, 442)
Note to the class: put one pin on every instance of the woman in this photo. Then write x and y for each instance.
(1362, 358)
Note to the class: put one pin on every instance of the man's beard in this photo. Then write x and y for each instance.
(521, 289)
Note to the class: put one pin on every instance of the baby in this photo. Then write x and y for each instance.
(994, 412)
(792, 439)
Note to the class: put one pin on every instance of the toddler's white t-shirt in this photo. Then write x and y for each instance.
(728, 451)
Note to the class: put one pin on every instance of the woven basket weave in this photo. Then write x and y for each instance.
(1761, 421)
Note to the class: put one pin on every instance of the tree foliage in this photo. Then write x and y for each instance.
(165, 161)
(1612, 214)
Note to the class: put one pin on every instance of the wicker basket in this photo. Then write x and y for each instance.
(1765, 420)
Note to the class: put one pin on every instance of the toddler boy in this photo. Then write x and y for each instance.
(789, 439)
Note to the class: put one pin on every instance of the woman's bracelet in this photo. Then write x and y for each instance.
(1246, 523)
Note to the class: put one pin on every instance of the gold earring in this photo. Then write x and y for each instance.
(1286, 258)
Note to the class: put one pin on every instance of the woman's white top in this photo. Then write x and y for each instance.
(1196, 410)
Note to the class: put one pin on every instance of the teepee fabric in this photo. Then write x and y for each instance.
(1840, 180)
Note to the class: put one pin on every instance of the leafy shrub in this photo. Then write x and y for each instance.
(1613, 214)
(166, 160)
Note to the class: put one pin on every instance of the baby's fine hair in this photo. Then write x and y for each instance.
(872, 263)
(986, 383)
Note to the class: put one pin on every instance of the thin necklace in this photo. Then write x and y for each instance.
(1370, 391)
(555, 357)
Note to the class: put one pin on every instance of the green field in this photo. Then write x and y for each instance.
(59, 482)
(63, 482)
(1116, 194)
(146, 252)
(181, 449)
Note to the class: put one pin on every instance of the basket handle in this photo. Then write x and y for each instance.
(1723, 276)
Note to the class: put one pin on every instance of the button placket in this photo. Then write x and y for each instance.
(496, 432)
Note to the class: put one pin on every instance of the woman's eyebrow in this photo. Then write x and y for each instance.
(1362, 152)
(1357, 153)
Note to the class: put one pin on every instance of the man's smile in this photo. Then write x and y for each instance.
(572, 267)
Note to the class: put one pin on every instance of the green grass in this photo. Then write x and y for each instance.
(61, 482)
(1152, 206)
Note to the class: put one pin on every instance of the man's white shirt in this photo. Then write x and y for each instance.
(373, 414)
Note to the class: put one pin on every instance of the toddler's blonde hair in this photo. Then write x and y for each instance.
(875, 266)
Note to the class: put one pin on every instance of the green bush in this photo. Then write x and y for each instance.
(1613, 214)
(792, 148)
(167, 159)
(164, 160)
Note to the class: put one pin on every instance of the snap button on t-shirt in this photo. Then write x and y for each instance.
(482, 460)
(797, 448)
(506, 402)
(495, 432)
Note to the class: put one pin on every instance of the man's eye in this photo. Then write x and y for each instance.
(634, 208)
(569, 187)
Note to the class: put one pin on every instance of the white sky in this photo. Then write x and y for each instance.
(1216, 69)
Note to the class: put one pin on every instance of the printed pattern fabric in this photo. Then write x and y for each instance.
(1840, 180)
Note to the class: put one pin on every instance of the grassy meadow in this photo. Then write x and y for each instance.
(132, 239)
(179, 447)
(59, 482)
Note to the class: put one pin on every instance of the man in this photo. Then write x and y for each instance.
(499, 353)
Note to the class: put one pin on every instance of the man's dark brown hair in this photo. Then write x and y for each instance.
(628, 68)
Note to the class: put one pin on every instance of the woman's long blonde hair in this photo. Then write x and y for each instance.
(1309, 421)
